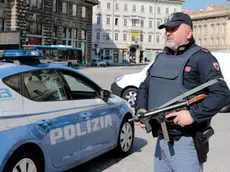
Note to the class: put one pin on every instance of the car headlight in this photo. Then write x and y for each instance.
(118, 78)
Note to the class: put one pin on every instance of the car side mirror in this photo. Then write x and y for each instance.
(105, 95)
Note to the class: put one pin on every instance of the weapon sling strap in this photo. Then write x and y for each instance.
(192, 91)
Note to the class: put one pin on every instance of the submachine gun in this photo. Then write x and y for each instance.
(159, 114)
(176, 104)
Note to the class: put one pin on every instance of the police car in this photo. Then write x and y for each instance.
(53, 118)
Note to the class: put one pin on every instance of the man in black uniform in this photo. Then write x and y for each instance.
(181, 67)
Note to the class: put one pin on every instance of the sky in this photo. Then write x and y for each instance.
(194, 5)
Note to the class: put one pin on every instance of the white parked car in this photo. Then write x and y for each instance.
(126, 86)
(98, 62)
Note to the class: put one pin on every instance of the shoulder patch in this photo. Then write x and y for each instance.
(205, 50)
(216, 66)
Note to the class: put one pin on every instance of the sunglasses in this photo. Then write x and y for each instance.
(172, 29)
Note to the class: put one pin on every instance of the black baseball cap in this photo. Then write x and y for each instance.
(177, 19)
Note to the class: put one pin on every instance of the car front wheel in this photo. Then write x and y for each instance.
(125, 139)
(130, 95)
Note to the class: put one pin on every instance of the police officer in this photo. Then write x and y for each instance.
(182, 66)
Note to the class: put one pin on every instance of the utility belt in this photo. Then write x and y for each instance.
(200, 142)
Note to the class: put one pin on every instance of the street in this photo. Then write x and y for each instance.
(141, 158)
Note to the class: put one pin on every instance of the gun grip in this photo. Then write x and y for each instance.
(148, 127)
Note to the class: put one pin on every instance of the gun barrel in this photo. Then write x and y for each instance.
(154, 113)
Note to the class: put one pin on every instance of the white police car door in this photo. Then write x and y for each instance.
(53, 115)
(98, 119)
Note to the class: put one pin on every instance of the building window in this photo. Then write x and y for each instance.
(54, 31)
(69, 33)
(98, 19)
(150, 23)
(34, 28)
(134, 7)
(2, 24)
(124, 37)
(150, 38)
(200, 30)
(83, 35)
(205, 29)
(204, 42)
(83, 12)
(117, 6)
(158, 10)
(116, 21)
(74, 10)
(37, 4)
(125, 22)
(75, 33)
(55, 6)
(40, 4)
(217, 28)
(64, 33)
(150, 9)
(158, 39)
(107, 37)
(175, 10)
(142, 23)
(108, 5)
(108, 21)
(125, 7)
(212, 29)
(223, 28)
(135, 22)
(223, 41)
(107, 52)
(167, 10)
(158, 22)
(142, 8)
(98, 36)
(64, 7)
(116, 36)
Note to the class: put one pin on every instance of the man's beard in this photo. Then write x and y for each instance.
(172, 45)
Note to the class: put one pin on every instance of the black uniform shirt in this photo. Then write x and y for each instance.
(201, 67)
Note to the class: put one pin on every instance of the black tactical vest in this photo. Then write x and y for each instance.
(166, 83)
(167, 77)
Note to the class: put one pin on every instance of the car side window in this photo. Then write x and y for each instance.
(14, 82)
(79, 89)
(44, 85)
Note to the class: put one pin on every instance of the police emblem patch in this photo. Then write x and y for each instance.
(187, 69)
(216, 66)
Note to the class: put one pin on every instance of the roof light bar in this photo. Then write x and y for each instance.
(17, 54)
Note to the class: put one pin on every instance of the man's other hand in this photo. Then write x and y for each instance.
(141, 112)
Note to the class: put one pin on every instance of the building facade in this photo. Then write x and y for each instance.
(47, 22)
(126, 30)
(211, 28)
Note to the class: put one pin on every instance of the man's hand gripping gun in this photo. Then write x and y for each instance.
(159, 114)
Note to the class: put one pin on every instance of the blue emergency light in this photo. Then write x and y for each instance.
(19, 57)
(20, 54)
